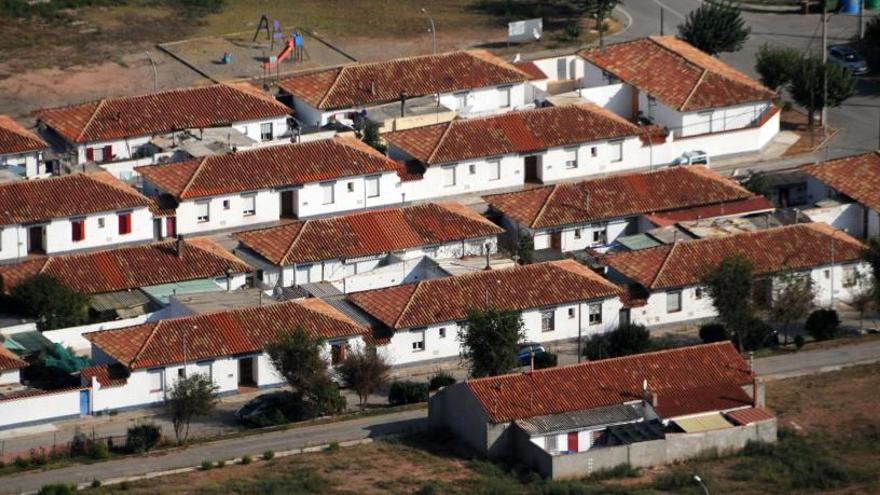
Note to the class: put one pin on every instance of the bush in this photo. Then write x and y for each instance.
(20, 462)
(39, 458)
(545, 360)
(333, 446)
(96, 483)
(221, 463)
(674, 480)
(207, 465)
(756, 334)
(872, 31)
(440, 379)
(799, 341)
(713, 332)
(572, 31)
(57, 489)
(822, 324)
(407, 392)
(627, 339)
(142, 438)
(620, 471)
(246, 459)
(98, 450)
(268, 455)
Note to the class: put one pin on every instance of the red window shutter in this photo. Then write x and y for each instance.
(108, 153)
(124, 223)
(90, 154)
(78, 228)
(573, 441)
(170, 227)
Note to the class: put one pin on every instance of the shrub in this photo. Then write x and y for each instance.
(142, 438)
(221, 463)
(333, 446)
(822, 324)
(624, 470)
(872, 31)
(799, 341)
(39, 458)
(713, 332)
(268, 455)
(440, 379)
(57, 489)
(545, 360)
(407, 392)
(98, 450)
(674, 480)
(756, 334)
(572, 31)
(627, 339)
(96, 483)
(207, 465)
(246, 459)
(20, 462)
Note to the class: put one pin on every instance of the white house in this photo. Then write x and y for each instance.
(256, 187)
(72, 212)
(335, 249)
(558, 300)
(10, 367)
(469, 82)
(21, 151)
(665, 283)
(530, 146)
(119, 133)
(845, 193)
(594, 213)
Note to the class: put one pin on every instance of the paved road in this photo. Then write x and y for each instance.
(372, 427)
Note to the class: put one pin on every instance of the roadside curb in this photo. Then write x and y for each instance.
(765, 9)
(818, 370)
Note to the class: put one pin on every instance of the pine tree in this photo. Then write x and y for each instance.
(715, 27)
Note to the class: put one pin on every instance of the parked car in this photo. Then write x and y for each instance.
(269, 409)
(695, 157)
(848, 57)
(527, 349)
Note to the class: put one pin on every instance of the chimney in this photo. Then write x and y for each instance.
(403, 97)
(179, 246)
(654, 400)
(757, 392)
(373, 88)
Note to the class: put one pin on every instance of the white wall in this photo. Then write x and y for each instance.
(634, 156)
(227, 211)
(483, 101)
(846, 216)
(29, 165)
(614, 97)
(349, 195)
(43, 407)
(10, 376)
(574, 67)
(404, 272)
(570, 241)
(432, 185)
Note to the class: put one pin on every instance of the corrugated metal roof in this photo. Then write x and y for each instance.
(123, 299)
(750, 415)
(642, 431)
(577, 420)
(163, 292)
(705, 422)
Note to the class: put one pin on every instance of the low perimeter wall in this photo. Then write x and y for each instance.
(675, 447)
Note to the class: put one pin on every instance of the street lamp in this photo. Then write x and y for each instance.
(702, 485)
(433, 31)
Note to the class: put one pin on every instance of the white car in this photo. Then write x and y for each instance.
(695, 157)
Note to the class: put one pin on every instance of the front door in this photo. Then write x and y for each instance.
(623, 318)
(84, 403)
(287, 199)
(157, 229)
(573, 441)
(246, 372)
(531, 165)
(35, 240)
(556, 240)
(171, 227)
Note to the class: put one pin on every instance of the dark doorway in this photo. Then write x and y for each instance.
(287, 210)
(623, 318)
(246, 372)
(556, 240)
(531, 165)
(35, 240)
(157, 229)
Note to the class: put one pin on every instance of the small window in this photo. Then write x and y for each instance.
(827, 274)
(595, 314)
(461, 100)
(349, 187)
(226, 204)
(327, 193)
(472, 169)
(698, 293)
(577, 233)
(266, 131)
(494, 169)
(504, 96)
(124, 223)
(181, 372)
(673, 301)
(203, 212)
(206, 369)
(547, 321)
(561, 69)
(594, 151)
(418, 343)
(571, 313)
(551, 444)
(78, 229)
(373, 186)
(156, 379)
(337, 352)
(571, 158)
(250, 205)
(448, 176)
(600, 236)
(616, 150)
(442, 332)
(850, 276)
(101, 223)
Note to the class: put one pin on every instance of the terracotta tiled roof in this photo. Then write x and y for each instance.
(129, 267)
(14, 138)
(9, 360)
(750, 415)
(856, 176)
(273, 166)
(687, 380)
(382, 82)
(449, 299)
(66, 196)
(187, 108)
(531, 69)
(512, 132)
(366, 233)
(617, 196)
(677, 74)
(683, 263)
(748, 205)
(108, 375)
(219, 334)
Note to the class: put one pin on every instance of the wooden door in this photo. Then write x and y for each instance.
(246, 372)
(171, 227)
(573, 441)
(287, 209)
(556, 240)
(35, 240)
(531, 166)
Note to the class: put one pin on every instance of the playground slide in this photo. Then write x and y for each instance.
(285, 52)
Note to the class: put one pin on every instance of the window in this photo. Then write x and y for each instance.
(571, 313)
(494, 169)
(418, 342)
(337, 352)
(460, 100)
(77, 229)
(594, 151)
(250, 205)
(850, 276)
(327, 193)
(504, 96)
(373, 186)
(547, 323)
(448, 176)
(472, 169)
(561, 69)
(100, 223)
(205, 368)
(571, 158)
(181, 372)
(616, 150)
(600, 235)
(156, 379)
(203, 211)
(595, 314)
(442, 332)
(124, 222)
(551, 444)
(827, 274)
(349, 187)
(577, 233)
(698, 293)
(266, 131)
(226, 204)
(673, 301)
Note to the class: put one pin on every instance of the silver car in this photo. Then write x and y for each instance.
(847, 57)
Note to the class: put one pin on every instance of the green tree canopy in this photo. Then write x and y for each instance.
(730, 287)
(775, 65)
(365, 371)
(490, 341)
(45, 298)
(794, 299)
(715, 27)
(190, 397)
(627, 339)
(807, 85)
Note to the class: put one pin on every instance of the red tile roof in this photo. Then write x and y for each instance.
(14, 138)
(366, 233)
(65, 196)
(449, 299)
(108, 375)
(856, 176)
(220, 334)
(617, 196)
(186, 108)
(677, 74)
(512, 132)
(273, 166)
(9, 360)
(750, 415)
(531, 69)
(683, 263)
(129, 267)
(687, 380)
(382, 82)
(754, 204)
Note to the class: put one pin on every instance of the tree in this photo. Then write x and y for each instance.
(490, 341)
(297, 356)
(365, 371)
(793, 300)
(774, 64)
(715, 27)
(713, 332)
(861, 300)
(730, 287)
(371, 136)
(45, 298)
(871, 255)
(808, 85)
(192, 396)
(822, 324)
(627, 339)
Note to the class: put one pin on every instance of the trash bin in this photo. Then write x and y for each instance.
(850, 6)
(872, 4)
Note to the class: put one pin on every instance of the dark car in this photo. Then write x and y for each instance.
(526, 350)
(847, 57)
(269, 409)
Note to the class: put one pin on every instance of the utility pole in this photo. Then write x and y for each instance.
(861, 19)
(662, 11)
(824, 63)
(433, 32)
